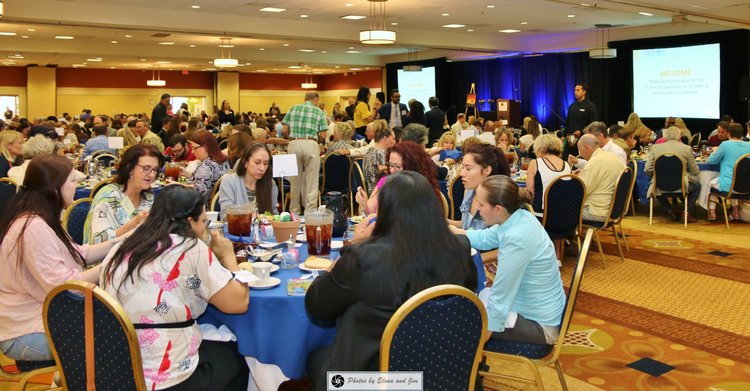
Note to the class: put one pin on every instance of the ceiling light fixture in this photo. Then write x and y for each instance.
(166, 43)
(306, 50)
(2, 9)
(454, 26)
(226, 61)
(59, 36)
(353, 17)
(272, 9)
(156, 80)
(602, 51)
(645, 14)
(309, 84)
(411, 56)
(195, 6)
(509, 31)
(377, 33)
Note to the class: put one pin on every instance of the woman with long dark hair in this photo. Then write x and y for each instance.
(409, 249)
(252, 182)
(416, 113)
(362, 113)
(120, 206)
(226, 114)
(36, 255)
(213, 164)
(165, 276)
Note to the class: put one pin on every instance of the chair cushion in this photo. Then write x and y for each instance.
(529, 350)
(740, 196)
(595, 224)
(25, 366)
(561, 234)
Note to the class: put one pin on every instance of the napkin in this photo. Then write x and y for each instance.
(211, 333)
(245, 276)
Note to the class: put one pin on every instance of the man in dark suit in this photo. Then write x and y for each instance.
(394, 117)
(159, 113)
(434, 120)
(350, 109)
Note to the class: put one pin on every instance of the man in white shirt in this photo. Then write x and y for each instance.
(460, 124)
(599, 131)
(488, 134)
(600, 177)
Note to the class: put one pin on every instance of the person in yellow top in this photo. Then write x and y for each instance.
(600, 177)
(363, 115)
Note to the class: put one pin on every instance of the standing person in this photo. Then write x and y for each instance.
(226, 114)
(159, 113)
(434, 120)
(394, 112)
(349, 109)
(581, 112)
(306, 123)
(362, 113)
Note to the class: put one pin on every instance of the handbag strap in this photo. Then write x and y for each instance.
(89, 336)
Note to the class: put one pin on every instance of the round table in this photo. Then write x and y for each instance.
(706, 174)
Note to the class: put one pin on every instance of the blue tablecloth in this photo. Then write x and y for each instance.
(642, 180)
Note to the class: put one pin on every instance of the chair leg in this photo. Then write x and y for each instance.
(561, 375)
(599, 245)
(624, 238)
(632, 206)
(724, 207)
(685, 201)
(651, 211)
(617, 240)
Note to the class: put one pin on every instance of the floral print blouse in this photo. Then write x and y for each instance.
(373, 158)
(110, 210)
(206, 175)
(175, 287)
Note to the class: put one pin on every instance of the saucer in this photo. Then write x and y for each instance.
(272, 282)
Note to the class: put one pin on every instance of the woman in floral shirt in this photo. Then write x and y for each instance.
(213, 163)
(120, 206)
(165, 277)
(373, 164)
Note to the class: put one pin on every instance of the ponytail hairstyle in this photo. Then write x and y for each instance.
(487, 155)
(503, 191)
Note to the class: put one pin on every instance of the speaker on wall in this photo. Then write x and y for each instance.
(744, 90)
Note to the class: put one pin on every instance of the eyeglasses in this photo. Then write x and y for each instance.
(148, 169)
(394, 166)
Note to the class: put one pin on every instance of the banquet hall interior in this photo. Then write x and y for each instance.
(670, 315)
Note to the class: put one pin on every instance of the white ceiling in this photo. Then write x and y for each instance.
(272, 41)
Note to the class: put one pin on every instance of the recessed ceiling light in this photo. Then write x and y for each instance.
(355, 69)
(490, 6)
(112, 68)
(261, 70)
(353, 51)
(394, 23)
(303, 16)
(571, 16)
(586, 5)
(306, 50)
(192, 46)
(286, 44)
(210, 62)
(247, 63)
(128, 36)
(261, 49)
(295, 67)
(509, 31)
(524, 22)
(195, 6)
(348, 5)
(324, 51)
(446, 14)
(317, 72)
(337, 67)
(7, 33)
(98, 59)
(164, 62)
(351, 47)
(645, 14)
(60, 36)
(454, 26)
(275, 69)
(32, 30)
(353, 17)
(226, 46)
(166, 43)
(143, 59)
(470, 30)
(272, 9)
(113, 41)
(24, 36)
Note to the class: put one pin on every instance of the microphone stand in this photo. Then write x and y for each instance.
(562, 121)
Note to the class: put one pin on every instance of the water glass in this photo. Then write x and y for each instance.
(289, 260)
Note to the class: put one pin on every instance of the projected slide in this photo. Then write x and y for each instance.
(680, 82)
(417, 85)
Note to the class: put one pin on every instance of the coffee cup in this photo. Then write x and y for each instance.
(262, 270)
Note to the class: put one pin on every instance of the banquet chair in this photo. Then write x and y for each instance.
(563, 210)
(695, 140)
(337, 173)
(104, 156)
(99, 186)
(357, 180)
(447, 348)
(92, 339)
(8, 189)
(215, 206)
(25, 371)
(455, 197)
(446, 207)
(669, 183)
(285, 190)
(623, 188)
(215, 190)
(740, 187)
(534, 355)
(634, 168)
(74, 218)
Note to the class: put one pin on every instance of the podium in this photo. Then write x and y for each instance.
(509, 110)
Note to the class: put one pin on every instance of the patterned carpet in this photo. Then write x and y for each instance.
(673, 316)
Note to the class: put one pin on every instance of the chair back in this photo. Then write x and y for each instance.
(215, 190)
(570, 301)
(563, 204)
(223, 143)
(455, 197)
(623, 188)
(99, 186)
(741, 178)
(357, 179)
(92, 339)
(439, 332)
(446, 207)
(104, 156)
(695, 140)
(215, 206)
(74, 218)
(337, 171)
(669, 170)
(8, 189)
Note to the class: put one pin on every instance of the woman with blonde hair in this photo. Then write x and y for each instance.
(547, 166)
(641, 131)
(684, 131)
(342, 138)
(11, 149)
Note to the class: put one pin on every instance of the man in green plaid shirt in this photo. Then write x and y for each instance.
(306, 122)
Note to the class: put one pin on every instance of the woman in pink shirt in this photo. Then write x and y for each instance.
(36, 255)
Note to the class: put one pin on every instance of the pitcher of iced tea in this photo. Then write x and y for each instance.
(239, 219)
(318, 230)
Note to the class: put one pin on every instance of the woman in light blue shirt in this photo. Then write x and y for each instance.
(526, 301)
(727, 155)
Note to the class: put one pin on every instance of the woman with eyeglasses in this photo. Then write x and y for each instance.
(36, 255)
(122, 205)
(165, 276)
(213, 164)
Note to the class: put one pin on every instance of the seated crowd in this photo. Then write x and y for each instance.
(144, 248)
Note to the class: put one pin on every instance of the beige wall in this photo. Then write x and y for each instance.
(228, 88)
(119, 100)
(40, 91)
(260, 100)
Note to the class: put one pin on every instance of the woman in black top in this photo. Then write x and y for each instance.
(226, 114)
(408, 250)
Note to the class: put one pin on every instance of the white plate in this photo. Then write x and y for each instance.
(272, 282)
(307, 269)
(337, 244)
(473, 252)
